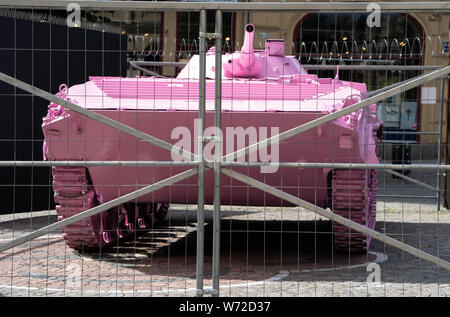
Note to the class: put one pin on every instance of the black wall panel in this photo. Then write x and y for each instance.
(45, 55)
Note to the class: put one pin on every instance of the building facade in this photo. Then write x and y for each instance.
(315, 38)
(327, 38)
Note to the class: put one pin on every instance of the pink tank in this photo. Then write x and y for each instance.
(262, 91)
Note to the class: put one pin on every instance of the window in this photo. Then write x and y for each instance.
(346, 39)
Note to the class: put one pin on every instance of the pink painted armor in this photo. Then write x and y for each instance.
(260, 89)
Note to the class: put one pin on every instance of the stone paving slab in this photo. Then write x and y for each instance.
(253, 262)
(266, 251)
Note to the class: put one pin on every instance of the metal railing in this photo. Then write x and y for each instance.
(222, 164)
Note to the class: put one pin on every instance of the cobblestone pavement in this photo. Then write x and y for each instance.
(264, 252)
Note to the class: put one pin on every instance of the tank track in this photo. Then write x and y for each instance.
(74, 193)
(354, 197)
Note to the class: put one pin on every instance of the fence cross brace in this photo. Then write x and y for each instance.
(398, 88)
(98, 117)
(335, 217)
(98, 209)
(383, 94)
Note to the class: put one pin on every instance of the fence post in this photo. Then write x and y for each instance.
(217, 154)
(441, 111)
(201, 166)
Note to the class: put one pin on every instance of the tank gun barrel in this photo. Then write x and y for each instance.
(247, 47)
(245, 64)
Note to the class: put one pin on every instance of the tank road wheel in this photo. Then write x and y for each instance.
(354, 197)
(74, 193)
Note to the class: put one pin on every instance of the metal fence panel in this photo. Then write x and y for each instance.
(164, 185)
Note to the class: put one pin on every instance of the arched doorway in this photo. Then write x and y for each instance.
(347, 39)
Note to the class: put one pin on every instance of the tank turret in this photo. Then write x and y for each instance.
(245, 63)
(268, 64)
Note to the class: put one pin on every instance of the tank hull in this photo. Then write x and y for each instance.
(77, 138)
(263, 93)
